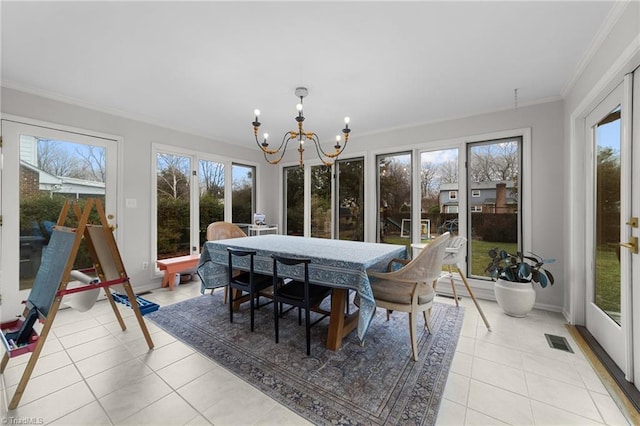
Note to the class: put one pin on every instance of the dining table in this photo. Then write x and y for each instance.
(339, 264)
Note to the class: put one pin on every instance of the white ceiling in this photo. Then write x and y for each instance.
(203, 67)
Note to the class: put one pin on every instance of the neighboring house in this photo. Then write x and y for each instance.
(35, 180)
(485, 197)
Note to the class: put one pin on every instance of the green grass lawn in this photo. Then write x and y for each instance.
(479, 252)
(607, 268)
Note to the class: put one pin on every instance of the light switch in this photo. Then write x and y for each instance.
(131, 203)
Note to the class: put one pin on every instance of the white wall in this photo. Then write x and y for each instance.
(136, 168)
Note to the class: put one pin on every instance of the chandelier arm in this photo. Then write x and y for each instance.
(285, 142)
(321, 152)
(266, 150)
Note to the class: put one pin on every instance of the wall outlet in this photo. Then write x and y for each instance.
(145, 265)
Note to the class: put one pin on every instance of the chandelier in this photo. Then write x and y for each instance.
(300, 136)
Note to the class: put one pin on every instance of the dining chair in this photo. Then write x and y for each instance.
(410, 288)
(221, 231)
(296, 293)
(454, 255)
(245, 281)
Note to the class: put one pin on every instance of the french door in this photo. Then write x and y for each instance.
(41, 168)
(613, 202)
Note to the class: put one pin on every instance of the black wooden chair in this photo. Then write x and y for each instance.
(300, 294)
(245, 281)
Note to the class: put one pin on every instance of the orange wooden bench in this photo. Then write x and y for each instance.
(174, 265)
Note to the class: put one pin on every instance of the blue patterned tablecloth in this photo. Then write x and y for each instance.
(334, 263)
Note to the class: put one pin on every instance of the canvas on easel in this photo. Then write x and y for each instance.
(51, 282)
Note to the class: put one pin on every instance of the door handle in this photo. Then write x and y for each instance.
(631, 245)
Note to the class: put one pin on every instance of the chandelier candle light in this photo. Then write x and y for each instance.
(301, 136)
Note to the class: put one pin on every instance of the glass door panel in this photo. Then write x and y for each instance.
(321, 212)
(350, 199)
(493, 200)
(438, 193)
(294, 200)
(211, 192)
(51, 172)
(607, 215)
(173, 190)
(242, 197)
(394, 198)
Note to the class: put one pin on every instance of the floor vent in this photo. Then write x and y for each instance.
(558, 342)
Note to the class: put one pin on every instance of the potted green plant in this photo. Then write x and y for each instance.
(514, 276)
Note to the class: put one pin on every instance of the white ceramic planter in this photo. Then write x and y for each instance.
(515, 299)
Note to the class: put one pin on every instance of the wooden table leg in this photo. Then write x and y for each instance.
(340, 324)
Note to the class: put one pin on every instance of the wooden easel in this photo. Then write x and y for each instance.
(51, 281)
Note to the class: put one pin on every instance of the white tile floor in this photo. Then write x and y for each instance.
(90, 372)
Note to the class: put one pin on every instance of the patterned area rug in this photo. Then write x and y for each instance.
(377, 383)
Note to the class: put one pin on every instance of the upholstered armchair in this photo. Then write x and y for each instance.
(410, 288)
(223, 231)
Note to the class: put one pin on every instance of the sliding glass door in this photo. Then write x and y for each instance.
(325, 201)
(394, 198)
(193, 190)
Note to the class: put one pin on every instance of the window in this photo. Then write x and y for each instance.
(173, 205)
(243, 193)
(193, 190)
(211, 199)
(438, 179)
(476, 209)
(51, 172)
(294, 200)
(321, 212)
(475, 193)
(334, 203)
(495, 166)
(350, 199)
(453, 195)
(394, 196)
